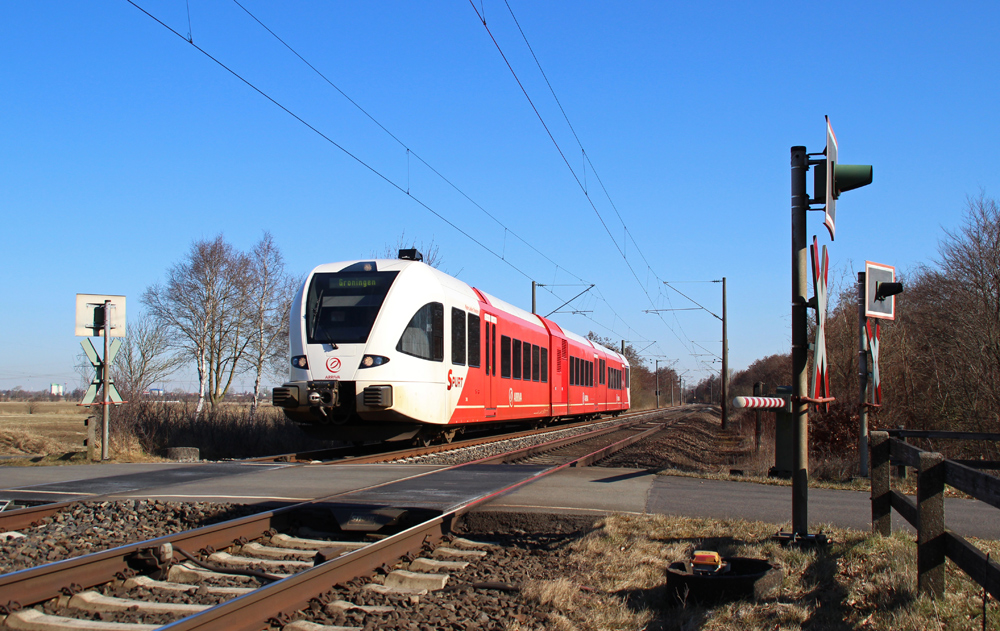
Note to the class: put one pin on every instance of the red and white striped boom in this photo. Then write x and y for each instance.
(759, 402)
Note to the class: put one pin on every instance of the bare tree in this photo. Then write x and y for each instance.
(144, 358)
(202, 306)
(269, 292)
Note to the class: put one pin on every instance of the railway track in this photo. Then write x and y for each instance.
(15, 519)
(287, 568)
(385, 452)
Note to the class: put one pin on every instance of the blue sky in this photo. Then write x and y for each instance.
(120, 137)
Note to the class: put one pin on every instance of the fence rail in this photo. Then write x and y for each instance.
(934, 542)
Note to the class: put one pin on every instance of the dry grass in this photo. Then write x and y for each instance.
(860, 581)
(141, 431)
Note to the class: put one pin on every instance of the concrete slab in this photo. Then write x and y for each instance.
(447, 489)
(296, 483)
(78, 482)
(584, 490)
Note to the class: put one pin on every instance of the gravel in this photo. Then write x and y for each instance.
(92, 527)
(468, 454)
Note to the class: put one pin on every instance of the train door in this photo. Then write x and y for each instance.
(490, 363)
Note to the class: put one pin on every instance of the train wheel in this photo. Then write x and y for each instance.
(423, 440)
(449, 436)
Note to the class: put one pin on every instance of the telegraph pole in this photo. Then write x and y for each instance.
(725, 361)
(533, 285)
(657, 384)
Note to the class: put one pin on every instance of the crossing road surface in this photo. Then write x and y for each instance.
(583, 491)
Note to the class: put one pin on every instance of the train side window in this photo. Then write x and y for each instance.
(601, 372)
(457, 336)
(590, 374)
(534, 362)
(423, 336)
(505, 356)
(526, 360)
(625, 385)
(545, 364)
(473, 338)
(572, 371)
(516, 359)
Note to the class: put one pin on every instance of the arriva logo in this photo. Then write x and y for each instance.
(333, 364)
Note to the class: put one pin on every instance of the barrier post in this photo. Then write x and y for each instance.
(930, 525)
(881, 502)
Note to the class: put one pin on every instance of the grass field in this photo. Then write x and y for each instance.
(38, 428)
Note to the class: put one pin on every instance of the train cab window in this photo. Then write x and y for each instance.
(423, 337)
(535, 372)
(516, 359)
(341, 307)
(457, 337)
(505, 356)
(545, 364)
(473, 338)
(526, 360)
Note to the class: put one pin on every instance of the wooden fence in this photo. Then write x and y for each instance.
(934, 541)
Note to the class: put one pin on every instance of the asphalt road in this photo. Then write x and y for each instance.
(582, 491)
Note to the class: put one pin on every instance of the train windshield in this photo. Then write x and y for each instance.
(341, 307)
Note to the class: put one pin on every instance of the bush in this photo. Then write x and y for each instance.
(227, 431)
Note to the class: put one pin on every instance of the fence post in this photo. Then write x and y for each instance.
(879, 470)
(930, 525)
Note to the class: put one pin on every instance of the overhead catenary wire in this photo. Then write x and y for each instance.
(369, 167)
(409, 149)
(569, 166)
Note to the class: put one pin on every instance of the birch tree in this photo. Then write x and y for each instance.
(269, 292)
(201, 304)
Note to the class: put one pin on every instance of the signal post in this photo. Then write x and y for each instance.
(830, 180)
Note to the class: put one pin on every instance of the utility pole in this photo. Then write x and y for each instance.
(725, 361)
(657, 384)
(533, 285)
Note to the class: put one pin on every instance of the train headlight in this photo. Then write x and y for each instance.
(373, 360)
(299, 361)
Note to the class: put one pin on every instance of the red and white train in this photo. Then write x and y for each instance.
(395, 349)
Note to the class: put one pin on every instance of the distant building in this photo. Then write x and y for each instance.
(56, 389)
(155, 392)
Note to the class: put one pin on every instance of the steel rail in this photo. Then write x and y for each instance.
(252, 611)
(29, 515)
(345, 456)
(280, 600)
